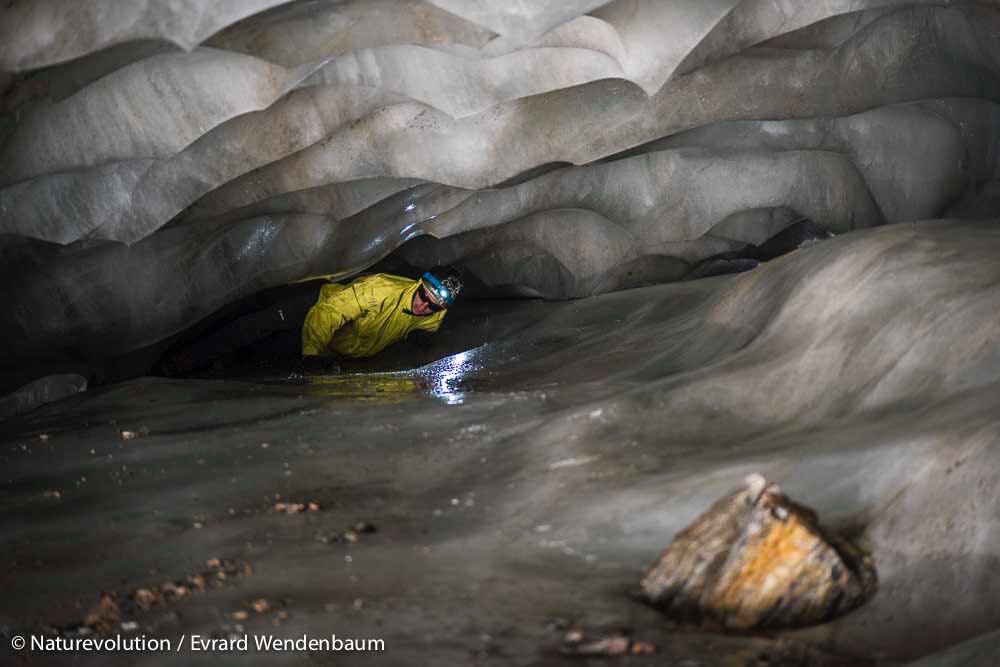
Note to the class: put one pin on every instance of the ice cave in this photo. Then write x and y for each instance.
(702, 246)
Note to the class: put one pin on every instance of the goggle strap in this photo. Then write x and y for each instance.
(429, 277)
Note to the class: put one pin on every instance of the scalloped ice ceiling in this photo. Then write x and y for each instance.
(167, 162)
(189, 153)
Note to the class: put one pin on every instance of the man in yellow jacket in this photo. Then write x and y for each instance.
(356, 320)
(363, 318)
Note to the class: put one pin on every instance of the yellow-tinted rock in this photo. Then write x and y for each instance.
(758, 560)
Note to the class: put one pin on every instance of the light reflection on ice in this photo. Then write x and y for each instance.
(258, 242)
(444, 377)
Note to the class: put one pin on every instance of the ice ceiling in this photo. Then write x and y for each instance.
(162, 159)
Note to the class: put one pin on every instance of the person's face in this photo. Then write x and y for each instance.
(425, 301)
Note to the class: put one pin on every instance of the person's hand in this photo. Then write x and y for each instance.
(420, 339)
(314, 364)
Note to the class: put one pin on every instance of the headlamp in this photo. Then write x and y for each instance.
(440, 290)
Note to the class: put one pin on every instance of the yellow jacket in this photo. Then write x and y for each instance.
(363, 318)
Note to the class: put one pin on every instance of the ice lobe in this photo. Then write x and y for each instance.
(44, 32)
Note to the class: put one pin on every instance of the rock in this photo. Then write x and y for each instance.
(757, 560)
(576, 643)
(295, 508)
(104, 616)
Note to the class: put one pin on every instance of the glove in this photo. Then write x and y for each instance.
(420, 339)
(314, 364)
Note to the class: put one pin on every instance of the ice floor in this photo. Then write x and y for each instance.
(526, 478)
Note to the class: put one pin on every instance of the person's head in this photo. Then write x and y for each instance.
(438, 290)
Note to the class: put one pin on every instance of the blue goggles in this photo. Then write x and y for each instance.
(443, 294)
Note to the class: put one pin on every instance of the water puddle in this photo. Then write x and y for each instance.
(445, 379)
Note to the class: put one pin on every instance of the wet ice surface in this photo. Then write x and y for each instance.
(445, 379)
(520, 484)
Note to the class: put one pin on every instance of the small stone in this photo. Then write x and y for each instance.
(575, 642)
(145, 598)
(642, 648)
(289, 508)
(104, 616)
(172, 590)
